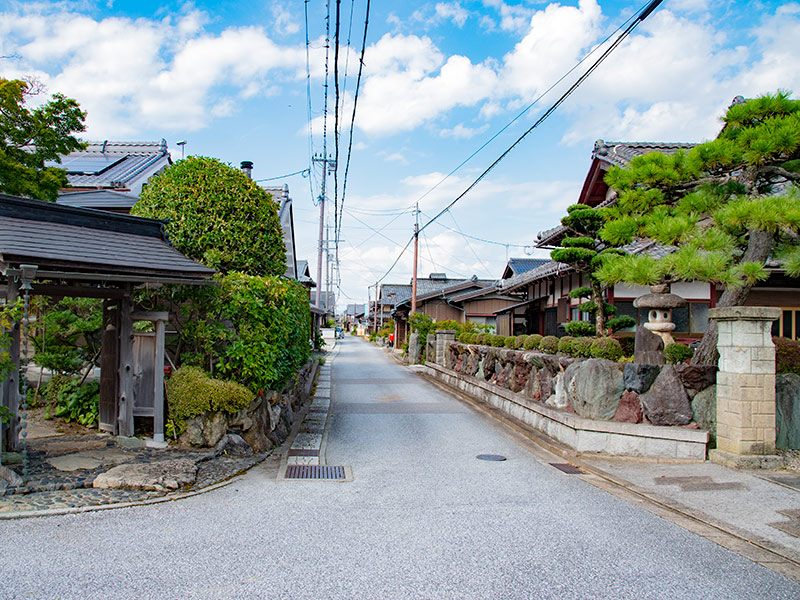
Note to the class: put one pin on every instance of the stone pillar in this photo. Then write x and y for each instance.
(443, 340)
(745, 387)
(413, 348)
(430, 348)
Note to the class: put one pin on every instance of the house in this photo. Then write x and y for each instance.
(354, 316)
(547, 305)
(54, 250)
(445, 299)
(110, 175)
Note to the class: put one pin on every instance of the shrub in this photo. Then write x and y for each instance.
(217, 215)
(606, 347)
(582, 346)
(549, 344)
(498, 341)
(677, 353)
(579, 328)
(479, 338)
(565, 344)
(621, 322)
(787, 355)
(191, 392)
(628, 344)
(519, 341)
(532, 342)
(76, 402)
(54, 386)
(510, 341)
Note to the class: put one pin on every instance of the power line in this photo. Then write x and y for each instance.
(525, 110)
(302, 172)
(338, 227)
(647, 11)
(309, 111)
(471, 249)
(478, 239)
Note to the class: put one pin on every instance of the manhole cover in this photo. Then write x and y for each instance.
(494, 457)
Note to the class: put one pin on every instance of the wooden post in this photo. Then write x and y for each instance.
(10, 388)
(125, 371)
(158, 414)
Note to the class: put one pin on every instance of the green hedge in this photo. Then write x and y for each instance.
(606, 347)
(532, 342)
(549, 344)
(676, 354)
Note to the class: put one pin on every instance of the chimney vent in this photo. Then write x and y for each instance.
(247, 168)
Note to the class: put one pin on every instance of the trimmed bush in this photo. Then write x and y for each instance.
(479, 338)
(192, 392)
(498, 341)
(677, 353)
(565, 344)
(549, 344)
(519, 341)
(787, 355)
(511, 342)
(606, 347)
(579, 328)
(532, 342)
(627, 342)
(582, 347)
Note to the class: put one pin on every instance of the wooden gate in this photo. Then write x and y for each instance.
(109, 362)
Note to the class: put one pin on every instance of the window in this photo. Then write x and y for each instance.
(788, 324)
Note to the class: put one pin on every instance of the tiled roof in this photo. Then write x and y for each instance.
(392, 293)
(621, 153)
(115, 165)
(78, 240)
(550, 268)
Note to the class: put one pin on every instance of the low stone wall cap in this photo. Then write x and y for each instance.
(445, 331)
(745, 313)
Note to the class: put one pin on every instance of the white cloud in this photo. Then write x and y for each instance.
(410, 83)
(512, 17)
(453, 11)
(462, 132)
(284, 20)
(130, 74)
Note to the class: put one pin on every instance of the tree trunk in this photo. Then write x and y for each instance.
(600, 313)
(759, 248)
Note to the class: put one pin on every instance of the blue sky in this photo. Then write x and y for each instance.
(440, 78)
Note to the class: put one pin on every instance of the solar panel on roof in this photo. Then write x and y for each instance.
(87, 165)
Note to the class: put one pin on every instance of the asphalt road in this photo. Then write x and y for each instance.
(423, 518)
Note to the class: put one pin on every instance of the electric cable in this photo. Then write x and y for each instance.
(309, 111)
(337, 229)
(473, 237)
(647, 11)
(471, 249)
(302, 172)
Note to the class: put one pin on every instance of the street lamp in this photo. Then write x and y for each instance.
(182, 144)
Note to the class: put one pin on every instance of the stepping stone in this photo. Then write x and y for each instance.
(90, 459)
(160, 476)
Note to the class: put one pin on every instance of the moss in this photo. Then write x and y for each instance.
(191, 392)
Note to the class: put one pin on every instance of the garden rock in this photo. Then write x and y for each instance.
(697, 377)
(162, 476)
(639, 377)
(648, 348)
(594, 388)
(233, 445)
(787, 417)
(205, 430)
(666, 403)
(10, 477)
(704, 410)
(629, 409)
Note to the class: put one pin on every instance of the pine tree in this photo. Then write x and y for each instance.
(585, 253)
(726, 206)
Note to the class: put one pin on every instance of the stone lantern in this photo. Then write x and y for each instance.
(660, 304)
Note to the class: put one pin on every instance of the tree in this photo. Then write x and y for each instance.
(585, 253)
(28, 138)
(217, 216)
(726, 206)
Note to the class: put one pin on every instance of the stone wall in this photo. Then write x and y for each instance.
(594, 388)
(265, 423)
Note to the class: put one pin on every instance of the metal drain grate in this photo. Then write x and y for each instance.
(314, 472)
(568, 468)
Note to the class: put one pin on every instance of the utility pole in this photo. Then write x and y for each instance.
(376, 307)
(326, 164)
(414, 272)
